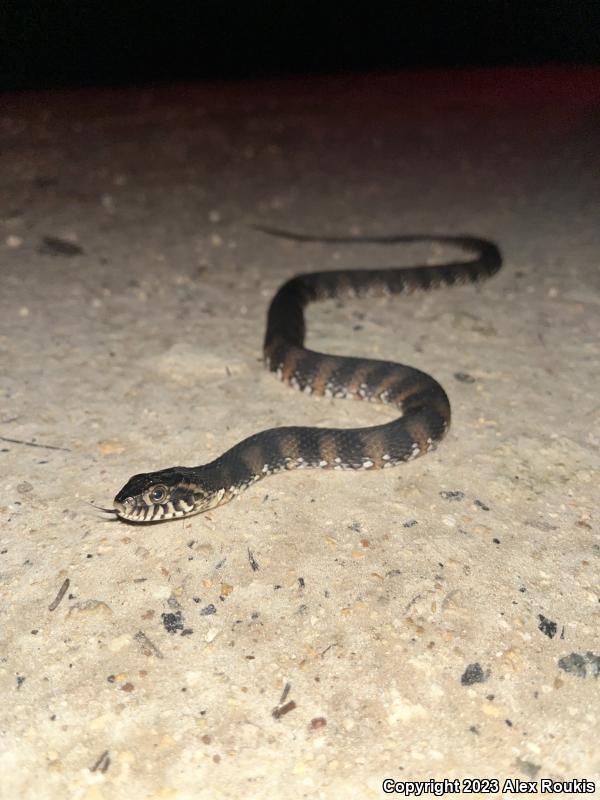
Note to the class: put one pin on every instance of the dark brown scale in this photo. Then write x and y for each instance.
(421, 401)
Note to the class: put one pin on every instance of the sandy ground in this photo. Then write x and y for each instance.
(326, 630)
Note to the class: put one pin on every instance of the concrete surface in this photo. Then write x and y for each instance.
(325, 631)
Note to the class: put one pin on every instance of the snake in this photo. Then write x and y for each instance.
(421, 406)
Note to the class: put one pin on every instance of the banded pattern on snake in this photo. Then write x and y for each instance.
(420, 402)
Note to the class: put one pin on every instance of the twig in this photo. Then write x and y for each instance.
(284, 694)
(102, 763)
(328, 648)
(252, 560)
(34, 444)
(280, 711)
(148, 646)
(61, 593)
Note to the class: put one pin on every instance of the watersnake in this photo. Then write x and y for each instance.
(420, 403)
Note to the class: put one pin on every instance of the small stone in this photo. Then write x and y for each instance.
(512, 660)
(581, 664)
(90, 608)
(529, 768)
(464, 377)
(119, 643)
(53, 246)
(172, 622)
(453, 496)
(547, 626)
(472, 674)
(109, 446)
(491, 710)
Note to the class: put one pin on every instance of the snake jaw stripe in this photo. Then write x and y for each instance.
(420, 403)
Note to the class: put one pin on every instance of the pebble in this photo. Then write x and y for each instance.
(110, 446)
(90, 608)
(119, 643)
(492, 710)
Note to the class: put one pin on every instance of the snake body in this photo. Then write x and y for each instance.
(419, 401)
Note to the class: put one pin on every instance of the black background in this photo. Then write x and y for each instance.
(91, 42)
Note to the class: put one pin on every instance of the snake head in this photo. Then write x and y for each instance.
(156, 496)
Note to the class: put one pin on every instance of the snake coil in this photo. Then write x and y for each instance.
(420, 402)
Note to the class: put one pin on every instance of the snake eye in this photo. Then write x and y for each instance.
(158, 494)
